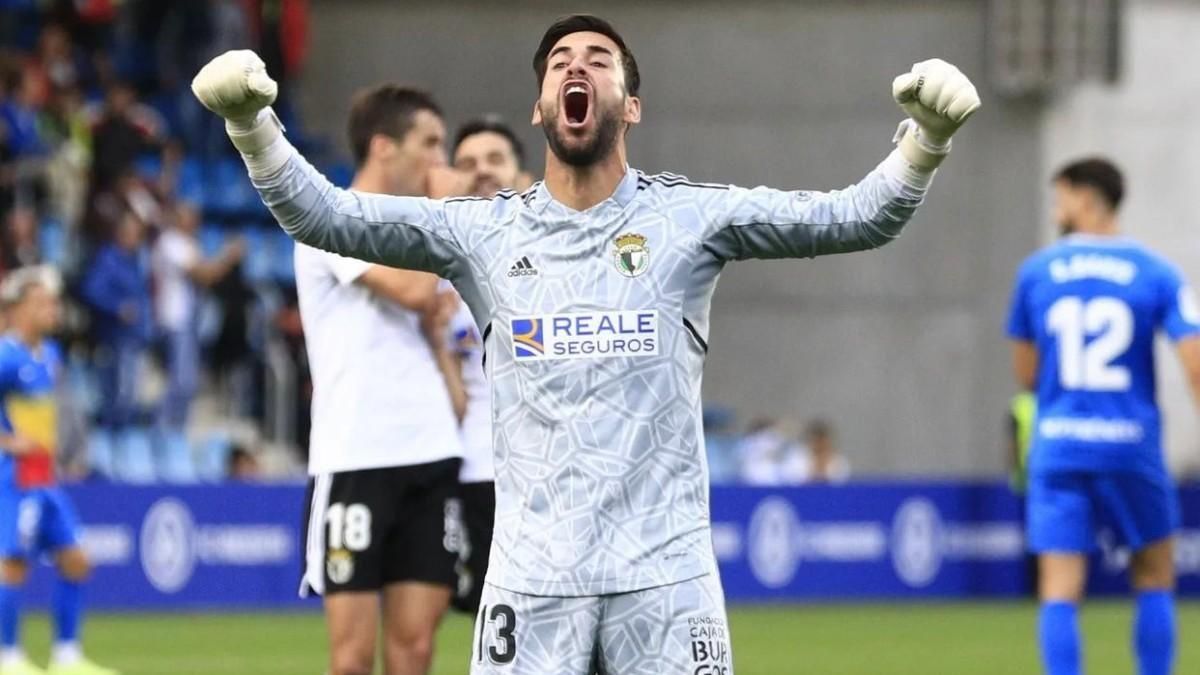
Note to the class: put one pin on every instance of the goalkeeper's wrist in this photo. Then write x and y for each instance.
(921, 148)
(252, 135)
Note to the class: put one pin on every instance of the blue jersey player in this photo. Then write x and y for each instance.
(36, 518)
(1085, 313)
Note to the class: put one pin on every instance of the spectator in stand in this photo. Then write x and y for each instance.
(20, 238)
(124, 130)
(107, 208)
(69, 135)
(233, 358)
(769, 454)
(721, 443)
(116, 288)
(282, 39)
(243, 465)
(823, 463)
(182, 273)
(19, 115)
(289, 329)
(56, 66)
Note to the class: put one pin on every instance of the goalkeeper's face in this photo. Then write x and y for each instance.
(584, 108)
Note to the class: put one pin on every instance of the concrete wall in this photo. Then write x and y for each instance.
(903, 347)
(1148, 125)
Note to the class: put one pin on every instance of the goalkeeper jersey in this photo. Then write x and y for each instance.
(593, 325)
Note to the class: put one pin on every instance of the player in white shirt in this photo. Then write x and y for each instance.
(489, 152)
(603, 558)
(384, 452)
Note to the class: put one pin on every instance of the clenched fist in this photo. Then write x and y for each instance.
(938, 98)
(235, 85)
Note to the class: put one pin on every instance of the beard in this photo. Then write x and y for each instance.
(486, 185)
(1066, 227)
(602, 142)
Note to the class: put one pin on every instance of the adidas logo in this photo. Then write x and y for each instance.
(523, 268)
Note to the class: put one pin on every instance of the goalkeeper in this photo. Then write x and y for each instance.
(602, 559)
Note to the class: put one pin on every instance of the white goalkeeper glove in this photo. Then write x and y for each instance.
(938, 99)
(235, 85)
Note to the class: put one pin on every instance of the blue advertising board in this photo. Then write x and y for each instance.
(240, 546)
(159, 548)
(868, 541)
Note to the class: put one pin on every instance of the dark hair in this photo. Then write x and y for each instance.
(386, 109)
(819, 428)
(492, 124)
(586, 23)
(1099, 174)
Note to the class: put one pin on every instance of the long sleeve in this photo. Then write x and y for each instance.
(768, 223)
(408, 232)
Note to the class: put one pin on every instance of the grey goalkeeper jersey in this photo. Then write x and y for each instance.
(594, 328)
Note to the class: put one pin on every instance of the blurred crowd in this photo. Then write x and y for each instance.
(177, 281)
(772, 452)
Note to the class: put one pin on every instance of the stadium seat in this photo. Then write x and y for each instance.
(174, 455)
(191, 182)
(232, 194)
(133, 456)
(149, 166)
(101, 454)
(212, 457)
(257, 266)
(281, 249)
(212, 238)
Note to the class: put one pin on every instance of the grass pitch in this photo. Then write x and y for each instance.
(976, 638)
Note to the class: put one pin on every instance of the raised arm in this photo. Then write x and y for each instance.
(406, 232)
(767, 223)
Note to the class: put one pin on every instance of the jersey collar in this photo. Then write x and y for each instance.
(541, 200)
(1082, 239)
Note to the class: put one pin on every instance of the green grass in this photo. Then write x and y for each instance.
(976, 638)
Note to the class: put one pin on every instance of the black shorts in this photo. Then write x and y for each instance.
(374, 527)
(479, 517)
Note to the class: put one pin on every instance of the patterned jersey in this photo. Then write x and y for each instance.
(1092, 306)
(594, 326)
(28, 408)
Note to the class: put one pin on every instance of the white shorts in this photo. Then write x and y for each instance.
(679, 629)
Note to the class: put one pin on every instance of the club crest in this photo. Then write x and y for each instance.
(631, 255)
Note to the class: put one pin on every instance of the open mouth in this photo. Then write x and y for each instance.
(576, 104)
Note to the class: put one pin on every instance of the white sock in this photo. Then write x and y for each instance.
(11, 655)
(66, 653)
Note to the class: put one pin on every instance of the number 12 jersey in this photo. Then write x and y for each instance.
(1092, 306)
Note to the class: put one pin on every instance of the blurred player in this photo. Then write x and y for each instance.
(1084, 315)
(384, 453)
(36, 517)
(603, 557)
(489, 152)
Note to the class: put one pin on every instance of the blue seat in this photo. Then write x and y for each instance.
(148, 166)
(212, 238)
(232, 194)
(257, 265)
(191, 183)
(282, 249)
